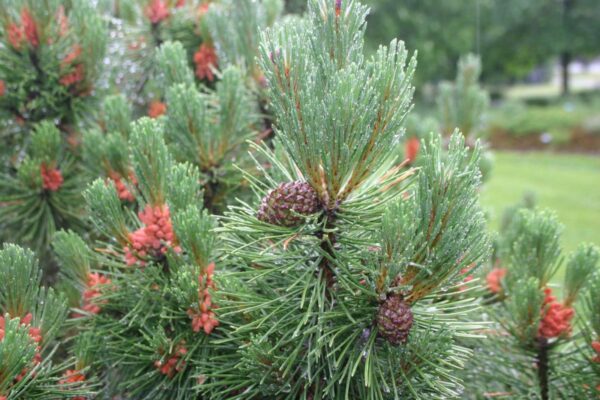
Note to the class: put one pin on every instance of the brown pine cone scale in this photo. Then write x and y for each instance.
(282, 205)
(394, 319)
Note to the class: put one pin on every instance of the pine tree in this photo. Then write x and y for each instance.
(586, 368)
(144, 291)
(214, 34)
(341, 264)
(346, 268)
(463, 104)
(208, 128)
(43, 195)
(238, 42)
(50, 61)
(235, 27)
(31, 317)
(528, 349)
(105, 150)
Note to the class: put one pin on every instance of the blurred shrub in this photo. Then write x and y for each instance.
(555, 119)
(420, 125)
(295, 6)
(592, 124)
(520, 119)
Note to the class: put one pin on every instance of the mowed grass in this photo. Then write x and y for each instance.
(566, 183)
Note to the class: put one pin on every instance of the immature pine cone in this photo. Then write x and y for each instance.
(394, 319)
(279, 206)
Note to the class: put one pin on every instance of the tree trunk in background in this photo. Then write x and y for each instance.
(565, 60)
(565, 55)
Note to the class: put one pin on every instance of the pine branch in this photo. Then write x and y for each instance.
(318, 144)
(543, 368)
(208, 128)
(172, 64)
(50, 72)
(534, 239)
(117, 115)
(437, 231)
(44, 193)
(531, 326)
(146, 310)
(463, 103)
(30, 319)
(308, 300)
(236, 26)
(580, 266)
(150, 155)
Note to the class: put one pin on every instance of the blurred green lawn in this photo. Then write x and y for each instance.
(567, 183)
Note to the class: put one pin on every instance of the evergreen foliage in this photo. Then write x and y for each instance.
(50, 61)
(238, 43)
(304, 304)
(43, 194)
(529, 349)
(584, 377)
(146, 285)
(208, 128)
(31, 318)
(463, 103)
(268, 230)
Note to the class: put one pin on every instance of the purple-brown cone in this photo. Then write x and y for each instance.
(282, 204)
(394, 319)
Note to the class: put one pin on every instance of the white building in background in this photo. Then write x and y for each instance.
(584, 75)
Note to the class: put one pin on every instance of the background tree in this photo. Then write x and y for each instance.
(534, 32)
(462, 104)
(295, 6)
(424, 25)
(512, 37)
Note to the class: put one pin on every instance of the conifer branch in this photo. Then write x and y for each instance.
(542, 364)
